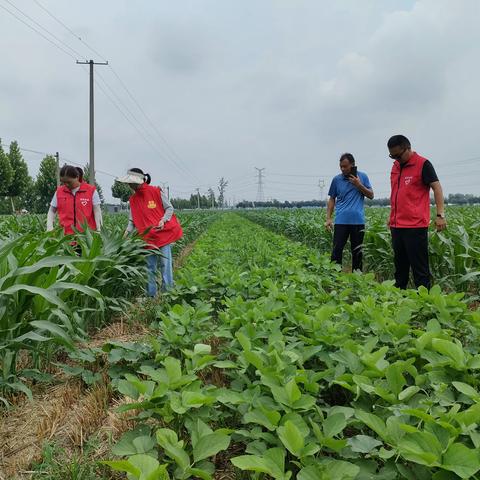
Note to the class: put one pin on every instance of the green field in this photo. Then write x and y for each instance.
(454, 254)
(265, 361)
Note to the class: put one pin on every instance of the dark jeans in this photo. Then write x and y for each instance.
(410, 248)
(341, 233)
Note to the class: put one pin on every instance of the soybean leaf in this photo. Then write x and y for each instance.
(210, 445)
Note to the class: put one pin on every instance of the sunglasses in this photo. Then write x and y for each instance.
(398, 156)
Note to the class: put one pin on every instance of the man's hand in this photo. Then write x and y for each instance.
(440, 224)
(125, 234)
(329, 224)
(161, 224)
(355, 181)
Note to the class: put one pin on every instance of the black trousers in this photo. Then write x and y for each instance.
(341, 233)
(410, 249)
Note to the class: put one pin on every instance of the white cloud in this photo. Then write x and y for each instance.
(232, 85)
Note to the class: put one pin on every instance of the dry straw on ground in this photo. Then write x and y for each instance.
(25, 429)
(66, 413)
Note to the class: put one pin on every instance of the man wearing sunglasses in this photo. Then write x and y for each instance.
(411, 179)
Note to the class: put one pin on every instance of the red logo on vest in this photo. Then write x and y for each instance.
(410, 207)
(147, 211)
(74, 211)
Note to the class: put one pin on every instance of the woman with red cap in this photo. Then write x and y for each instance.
(151, 214)
(77, 203)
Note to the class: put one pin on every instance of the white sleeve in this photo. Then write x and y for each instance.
(97, 213)
(54, 202)
(130, 226)
(167, 206)
(51, 218)
(96, 198)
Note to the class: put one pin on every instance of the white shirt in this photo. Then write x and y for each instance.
(95, 200)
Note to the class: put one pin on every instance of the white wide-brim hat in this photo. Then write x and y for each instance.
(132, 177)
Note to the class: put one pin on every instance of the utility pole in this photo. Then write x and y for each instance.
(198, 198)
(321, 186)
(57, 168)
(91, 164)
(260, 184)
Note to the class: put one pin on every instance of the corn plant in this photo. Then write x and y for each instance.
(454, 253)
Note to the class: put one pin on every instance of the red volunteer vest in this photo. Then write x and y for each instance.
(76, 210)
(147, 211)
(410, 198)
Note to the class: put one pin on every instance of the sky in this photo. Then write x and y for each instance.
(196, 90)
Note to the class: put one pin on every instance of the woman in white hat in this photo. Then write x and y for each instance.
(151, 209)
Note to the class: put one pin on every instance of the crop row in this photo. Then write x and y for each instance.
(51, 296)
(454, 254)
(267, 362)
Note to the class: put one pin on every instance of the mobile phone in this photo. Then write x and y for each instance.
(354, 171)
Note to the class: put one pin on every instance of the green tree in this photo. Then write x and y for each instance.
(211, 198)
(45, 184)
(20, 179)
(27, 199)
(6, 173)
(222, 185)
(121, 191)
(181, 203)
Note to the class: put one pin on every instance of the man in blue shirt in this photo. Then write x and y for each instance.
(347, 192)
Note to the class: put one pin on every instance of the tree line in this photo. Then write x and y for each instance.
(451, 199)
(196, 200)
(19, 191)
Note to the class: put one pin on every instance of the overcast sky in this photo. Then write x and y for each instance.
(231, 85)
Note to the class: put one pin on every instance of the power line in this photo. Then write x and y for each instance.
(91, 158)
(69, 29)
(296, 175)
(379, 172)
(27, 150)
(115, 104)
(178, 162)
(292, 183)
(183, 169)
(37, 31)
(71, 162)
(59, 40)
(152, 125)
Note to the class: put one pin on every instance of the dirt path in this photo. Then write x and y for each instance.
(67, 413)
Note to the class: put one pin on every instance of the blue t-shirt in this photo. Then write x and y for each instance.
(349, 200)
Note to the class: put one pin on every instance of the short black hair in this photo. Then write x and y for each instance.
(146, 176)
(69, 171)
(398, 141)
(80, 174)
(349, 157)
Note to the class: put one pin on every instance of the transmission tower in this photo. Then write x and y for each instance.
(260, 195)
(321, 186)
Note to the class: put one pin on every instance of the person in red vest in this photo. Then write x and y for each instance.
(151, 214)
(411, 179)
(77, 203)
